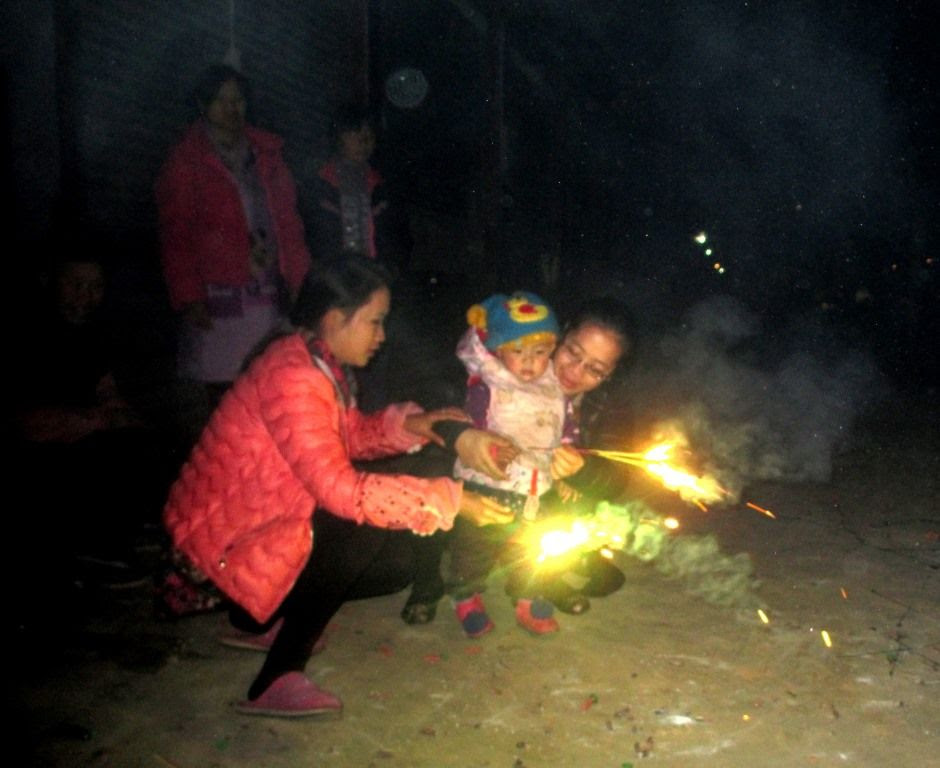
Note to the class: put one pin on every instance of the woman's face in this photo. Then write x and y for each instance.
(586, 357)
(226, 113)
(355, 338)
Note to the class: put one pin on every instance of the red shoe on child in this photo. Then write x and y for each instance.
(535, 616)
(473, 617)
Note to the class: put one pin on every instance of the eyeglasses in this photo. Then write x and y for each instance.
(576, 355)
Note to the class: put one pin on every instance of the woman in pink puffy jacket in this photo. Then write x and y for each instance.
(279, 446)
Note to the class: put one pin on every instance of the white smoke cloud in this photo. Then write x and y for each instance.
(756, 403)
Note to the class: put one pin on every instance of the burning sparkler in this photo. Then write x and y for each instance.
(631, 528)
(657, 461)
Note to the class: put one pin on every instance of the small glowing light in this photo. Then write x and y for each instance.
(671, 523)
(826, 639)
(558, 542)
(763, 616)
(708, 251)
(745, 717)
(606, 553)
(845, 595)
(717, 265)
(701, 238)
(721, 270)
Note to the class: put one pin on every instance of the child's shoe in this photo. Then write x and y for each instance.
(292, 695)
(535, 616)
(473, 617)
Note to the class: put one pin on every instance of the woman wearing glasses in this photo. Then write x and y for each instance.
(594, 342)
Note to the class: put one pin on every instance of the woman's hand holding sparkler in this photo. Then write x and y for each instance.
(566, 461)
(483, 510)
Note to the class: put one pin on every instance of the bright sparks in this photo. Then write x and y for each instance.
(552, 541)
(826, 639)
(657, 461)
(763, 616)
(701, 238)
(763, 511)
(561, 542)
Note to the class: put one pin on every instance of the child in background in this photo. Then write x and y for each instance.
(352, 216)
(511, 390)
(351, 193)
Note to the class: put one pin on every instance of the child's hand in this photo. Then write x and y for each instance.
(486, 452)
(482, 510)
(422, 424)
(565, 462)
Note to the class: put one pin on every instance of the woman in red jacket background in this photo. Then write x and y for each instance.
(279, 446)
(232, 240)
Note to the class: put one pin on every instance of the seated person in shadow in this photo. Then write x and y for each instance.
(95, 475)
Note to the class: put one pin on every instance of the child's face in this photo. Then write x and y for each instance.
(526, 361)
(357, 146)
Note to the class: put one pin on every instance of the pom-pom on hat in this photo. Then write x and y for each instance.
(522, 318)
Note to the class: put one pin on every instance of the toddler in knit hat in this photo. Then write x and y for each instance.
(511, 389)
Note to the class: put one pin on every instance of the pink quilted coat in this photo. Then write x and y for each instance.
(279, 445)
(203, 230)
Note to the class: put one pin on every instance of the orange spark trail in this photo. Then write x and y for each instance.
(763, 511)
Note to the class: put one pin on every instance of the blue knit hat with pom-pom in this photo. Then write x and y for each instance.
(522, 318)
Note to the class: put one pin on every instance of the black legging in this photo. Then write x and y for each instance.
(349, 562)
(601, 577)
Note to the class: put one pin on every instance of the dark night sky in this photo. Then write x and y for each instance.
(797, 134)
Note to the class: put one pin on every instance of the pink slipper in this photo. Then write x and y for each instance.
(292, 695)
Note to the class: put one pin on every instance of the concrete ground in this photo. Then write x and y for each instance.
(650, 675)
